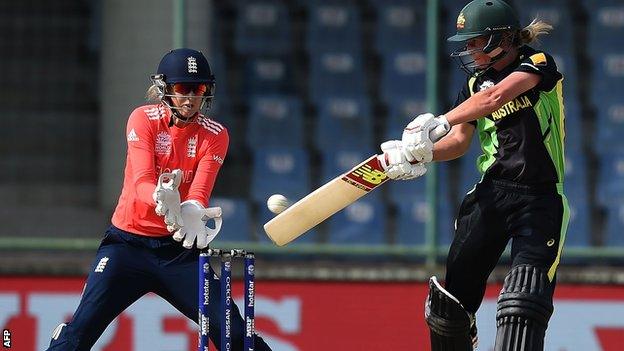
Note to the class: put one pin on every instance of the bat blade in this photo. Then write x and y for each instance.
(332, 197)
(325, 201)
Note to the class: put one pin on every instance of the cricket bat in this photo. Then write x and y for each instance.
(330, 198)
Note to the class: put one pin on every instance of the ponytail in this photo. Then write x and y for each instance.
(530, 33)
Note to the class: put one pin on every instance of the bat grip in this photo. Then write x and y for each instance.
(438, 132)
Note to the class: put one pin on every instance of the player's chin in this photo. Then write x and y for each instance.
(188, 112)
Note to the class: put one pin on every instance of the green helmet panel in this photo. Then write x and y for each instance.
(481, 17)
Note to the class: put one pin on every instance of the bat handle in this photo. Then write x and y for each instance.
(438, 132)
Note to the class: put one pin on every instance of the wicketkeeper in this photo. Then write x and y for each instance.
(174, 155)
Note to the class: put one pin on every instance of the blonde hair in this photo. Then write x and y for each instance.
(536, 28)
(152, 93)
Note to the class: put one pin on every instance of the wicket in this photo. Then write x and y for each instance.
(226, 297)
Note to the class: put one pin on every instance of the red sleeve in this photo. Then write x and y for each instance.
(141, 155)
(208, 168)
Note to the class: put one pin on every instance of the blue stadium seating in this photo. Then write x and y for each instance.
(380, 4)
(457, 79)
(268, 74)
(403, 75)
(264, 215)
(608, 73)
(614, 236)
(400, 191)
(575, 181)
(555, 12)
(575, 188)
(219, 111)
(263, 27)
(411, 219)
(236, 220)
(336, 73)
(338, 161)
(401, 26)
(610, 125)
(610, 187)
(279, 171)
(411, 222)
(309, 3)
(218, 67)
(449, 25)
(401, 111)
(573, 124)
(363, 222)
(344, 123)
(579, 228)
(447, 204)
(446, 221)
(275, 121)
(332, 27)
(605, 25)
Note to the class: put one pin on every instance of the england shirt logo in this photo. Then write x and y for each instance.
(163, 143)
(192, 64)
(101, 265)
(191, 147)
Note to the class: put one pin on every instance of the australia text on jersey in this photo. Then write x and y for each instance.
(515, 105)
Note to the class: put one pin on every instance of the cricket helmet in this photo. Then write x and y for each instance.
(492, 19)
(185, 66)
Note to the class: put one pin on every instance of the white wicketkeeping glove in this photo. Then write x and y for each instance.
(167, 199)
(396, 165)
(417, 141)
(195, 217)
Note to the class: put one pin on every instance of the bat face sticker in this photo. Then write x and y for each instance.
(366, 176)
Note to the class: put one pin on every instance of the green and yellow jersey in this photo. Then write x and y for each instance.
(523, 141)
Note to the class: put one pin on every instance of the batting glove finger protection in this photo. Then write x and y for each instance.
(417, 140)
(396, 165)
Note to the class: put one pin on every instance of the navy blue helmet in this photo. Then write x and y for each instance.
(185, 66)
(189, 69)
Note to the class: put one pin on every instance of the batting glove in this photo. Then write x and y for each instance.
(167, 199)
(194, 230)
(417, 141)
(396, 165)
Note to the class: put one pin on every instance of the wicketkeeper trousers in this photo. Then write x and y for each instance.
(128, 266)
